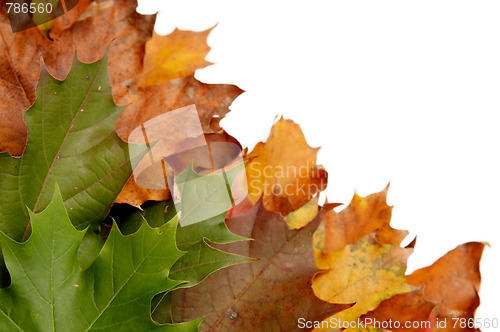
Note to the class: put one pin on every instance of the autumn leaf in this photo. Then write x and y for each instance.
(103, 23)
(118, 25)
(210, 100)
(363, 216)
(136, 195)
(169, 64)
(19, 72)
(301, 217)
(283, 170)
(365, 273)
(377, 280)
(452, 283)
(457, 290)
(271, 294)
(166, 84)
(112, 22)
(49, 290)
(400, 309)
(445, 300)
(176, 55)
(361, 254)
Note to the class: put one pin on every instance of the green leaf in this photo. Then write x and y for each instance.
(200, 258)
(204, 196)
(72, 140)
(204, 201)
(50, 291)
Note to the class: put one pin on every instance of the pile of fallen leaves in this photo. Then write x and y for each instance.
(85, 247)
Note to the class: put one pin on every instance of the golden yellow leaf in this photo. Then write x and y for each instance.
(363, 216)
(365, 272)
(361, 255)
(283, 170)
(176, 55)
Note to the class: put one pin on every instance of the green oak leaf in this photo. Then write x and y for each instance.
(51, 292)
(71, 139)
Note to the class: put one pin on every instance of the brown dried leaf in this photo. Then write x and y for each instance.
(19, 72)
(363, 216)
(452, 282)
(270, 294)
(65, 21)
(118, 26)
(136, 195)
(210, 100)
(150, 102)
(283, 170)
(402, 308)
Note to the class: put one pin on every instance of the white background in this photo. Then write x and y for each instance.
(400, 91)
